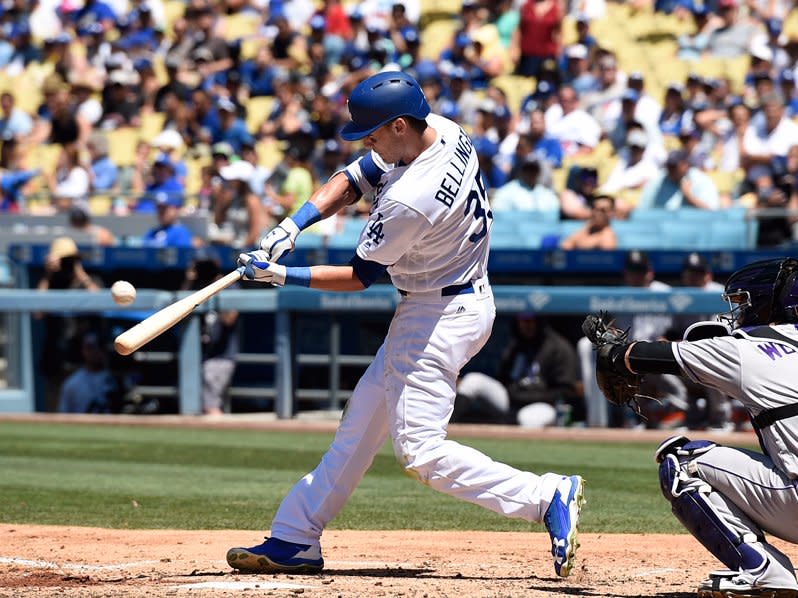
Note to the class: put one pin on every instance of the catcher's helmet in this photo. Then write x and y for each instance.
(763, 292)
(380, 99)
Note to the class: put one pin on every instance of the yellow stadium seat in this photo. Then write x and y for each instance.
(257, 110)
(122, 145)
(515, 87)
(173, 10)
(436, 36)
(151, 125)
(558, 179)
(270, 154)
(240, 25)
(100, 205)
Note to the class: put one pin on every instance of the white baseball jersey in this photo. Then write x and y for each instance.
(430, 221)
(757, 367)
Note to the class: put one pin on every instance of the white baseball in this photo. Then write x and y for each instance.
(123, 292)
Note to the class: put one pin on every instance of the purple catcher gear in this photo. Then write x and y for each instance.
(762, 292)
(693, 507)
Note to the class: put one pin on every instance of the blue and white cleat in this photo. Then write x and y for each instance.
(561, 520)
(276, 556)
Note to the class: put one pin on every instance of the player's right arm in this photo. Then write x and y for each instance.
(342, 189)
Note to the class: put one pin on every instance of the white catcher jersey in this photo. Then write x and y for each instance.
(430, 220)
(757, 367)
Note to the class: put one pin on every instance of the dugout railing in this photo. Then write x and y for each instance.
(17, 305)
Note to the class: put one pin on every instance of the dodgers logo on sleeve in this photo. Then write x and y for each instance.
(374, 231)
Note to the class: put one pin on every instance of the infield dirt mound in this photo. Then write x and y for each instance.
(39, 561)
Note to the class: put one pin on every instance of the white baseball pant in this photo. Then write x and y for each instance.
(408, 392)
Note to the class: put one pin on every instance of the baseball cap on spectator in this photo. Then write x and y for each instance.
(411, 36)
(458, 72)
(787, 76)
(202, 54)
(543, 90)
(163, 160)
(169, 138)
(162, 198)
(695, 262)
(225, 105)
(630, 95)
(331, 146)
(124, 77)
(774, 26)
(675, 88)
(317, 22)
(531, 160)
(637, 138)
(79, 214)
(582, 19)
(637, 261)
(172, 61)
(62, 38)
(470, 4)
(576, 51)
(487, 106)
(502, 112)
(222, 148)
(636, 77)
(699, 9)
(761, 76)
(694, 79)
(239, 170)
(727, 4)
(676, 157)
(356, 62)
(608, 62)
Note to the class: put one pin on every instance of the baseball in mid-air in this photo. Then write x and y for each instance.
(123, 292)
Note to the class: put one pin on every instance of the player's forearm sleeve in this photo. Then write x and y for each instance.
(653, 358)
(367, 271)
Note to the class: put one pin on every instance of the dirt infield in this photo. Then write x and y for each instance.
(44, 561)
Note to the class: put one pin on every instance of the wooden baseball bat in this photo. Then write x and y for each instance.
(162, 320)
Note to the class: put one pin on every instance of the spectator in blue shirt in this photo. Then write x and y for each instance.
(257, 73)
(103, 171)
(169, 232)
(93, 11)
(14, 123)
(163, 184)
(679, 186)
(232, 129)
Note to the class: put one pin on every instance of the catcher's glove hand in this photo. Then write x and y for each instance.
(619, 385)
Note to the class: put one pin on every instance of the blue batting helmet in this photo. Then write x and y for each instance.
(763, 292)
(380, 99)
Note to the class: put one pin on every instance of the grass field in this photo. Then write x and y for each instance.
(143, 477)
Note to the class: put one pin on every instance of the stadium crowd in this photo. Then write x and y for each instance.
(232, 109)
(588, 112)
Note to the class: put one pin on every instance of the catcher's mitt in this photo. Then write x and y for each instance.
(619, 385)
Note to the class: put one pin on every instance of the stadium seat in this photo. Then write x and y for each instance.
(122, 145)
(436, 36)
(258, 108)
(515, 87)
(240, 25)
(726, 235)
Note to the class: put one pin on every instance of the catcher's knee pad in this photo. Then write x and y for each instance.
(691, 505)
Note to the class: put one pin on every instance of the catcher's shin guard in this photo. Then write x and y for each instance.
(691, 505)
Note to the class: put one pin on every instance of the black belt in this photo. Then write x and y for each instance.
(450, 291)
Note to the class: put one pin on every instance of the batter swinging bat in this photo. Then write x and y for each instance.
(162, 320)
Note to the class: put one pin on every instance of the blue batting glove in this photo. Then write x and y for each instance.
(257, 267)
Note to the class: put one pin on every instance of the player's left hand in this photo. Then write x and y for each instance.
(258, 267)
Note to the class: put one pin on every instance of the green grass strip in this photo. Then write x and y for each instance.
(183, 478)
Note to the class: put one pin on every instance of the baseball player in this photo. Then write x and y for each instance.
(728, 498)
(429, 227)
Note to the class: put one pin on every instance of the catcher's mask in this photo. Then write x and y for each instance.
(762, 292)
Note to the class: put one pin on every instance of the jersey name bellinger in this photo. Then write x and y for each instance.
(453, 179)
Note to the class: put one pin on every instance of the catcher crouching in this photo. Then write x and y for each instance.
(728, 498)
